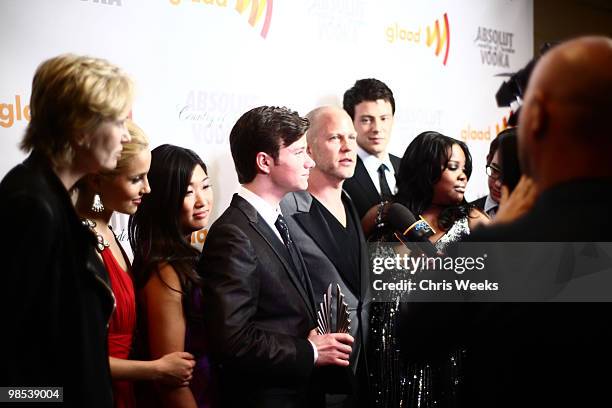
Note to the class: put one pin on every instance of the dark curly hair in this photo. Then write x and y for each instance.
(421, 168)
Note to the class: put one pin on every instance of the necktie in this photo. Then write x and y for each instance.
(385, 191)
(282, 227)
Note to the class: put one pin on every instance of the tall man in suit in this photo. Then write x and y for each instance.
(326, 228)
(257, 298)
(557, 353)
(371, 105)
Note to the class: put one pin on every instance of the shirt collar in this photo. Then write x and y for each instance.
(372, 163)
(489, 204)
(265, 210)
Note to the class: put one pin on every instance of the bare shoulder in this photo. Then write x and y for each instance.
(165, 281)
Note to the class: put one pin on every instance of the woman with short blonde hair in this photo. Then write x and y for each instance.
(58, 299)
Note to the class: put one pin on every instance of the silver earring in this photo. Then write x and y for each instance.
(97, 204)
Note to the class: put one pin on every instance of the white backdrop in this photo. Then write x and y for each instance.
(199, 64)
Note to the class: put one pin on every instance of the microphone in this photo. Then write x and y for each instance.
(409, 229)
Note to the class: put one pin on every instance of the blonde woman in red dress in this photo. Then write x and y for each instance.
(99, 196)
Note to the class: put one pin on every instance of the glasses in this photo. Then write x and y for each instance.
(494, 172)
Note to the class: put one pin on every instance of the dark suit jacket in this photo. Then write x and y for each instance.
(480, 202)
(257, 313)
(56, 301)
(557, 353)
(325, 262)
(361, 188)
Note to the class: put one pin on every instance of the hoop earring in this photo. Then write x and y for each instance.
(97, 205)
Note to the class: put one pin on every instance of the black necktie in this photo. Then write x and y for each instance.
(385, 191)
(282, 227)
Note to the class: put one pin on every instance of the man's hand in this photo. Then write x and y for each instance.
(333, 349)
(516, 204)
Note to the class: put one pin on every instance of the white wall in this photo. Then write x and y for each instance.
(199, 65)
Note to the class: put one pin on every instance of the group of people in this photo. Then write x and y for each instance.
(239, 324)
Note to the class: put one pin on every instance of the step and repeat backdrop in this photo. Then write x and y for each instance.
(199, 64)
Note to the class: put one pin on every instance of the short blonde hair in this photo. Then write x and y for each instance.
(137, 144)
(72, 93)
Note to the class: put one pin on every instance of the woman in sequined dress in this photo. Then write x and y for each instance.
(416, 362)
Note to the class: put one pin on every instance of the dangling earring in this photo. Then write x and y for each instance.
(97, 204)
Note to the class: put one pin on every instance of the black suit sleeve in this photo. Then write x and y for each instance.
(30, 274)
(232, 278)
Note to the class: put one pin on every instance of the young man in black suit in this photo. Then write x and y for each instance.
(558, 354)
(371, 106)
(327, 231)
(257, 298)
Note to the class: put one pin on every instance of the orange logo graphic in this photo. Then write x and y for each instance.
(504, 125)
(198, 237)
(441, 40)
(10, 112)
(257, 8)
(473, 134)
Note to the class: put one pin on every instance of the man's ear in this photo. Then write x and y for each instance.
(264, 162)
(538, 117)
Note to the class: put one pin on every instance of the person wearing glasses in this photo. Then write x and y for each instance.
(489, 204)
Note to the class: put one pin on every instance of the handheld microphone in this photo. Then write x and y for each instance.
(409, 229)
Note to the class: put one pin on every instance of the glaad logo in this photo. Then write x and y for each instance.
(257, 8)
(504, 125)
(434, 36)
(473, 134)
(495, 46)
(441, 40)
(10, 112)
(107, 2)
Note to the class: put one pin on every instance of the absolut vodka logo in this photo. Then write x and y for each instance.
(495, 46)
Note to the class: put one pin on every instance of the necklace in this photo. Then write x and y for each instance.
(101, 241)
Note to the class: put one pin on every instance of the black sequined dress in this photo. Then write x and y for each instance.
(409, 364)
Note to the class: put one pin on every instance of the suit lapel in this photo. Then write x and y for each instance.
(278, 247)
(365, 182)
(395, 162)
(313, 223)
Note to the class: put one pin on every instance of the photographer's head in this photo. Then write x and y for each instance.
(564, 129)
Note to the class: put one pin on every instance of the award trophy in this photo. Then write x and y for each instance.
(326, 320)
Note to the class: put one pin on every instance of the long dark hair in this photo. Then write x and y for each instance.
(421, 168)
(155, 231)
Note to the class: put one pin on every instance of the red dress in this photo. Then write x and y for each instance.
(122, 324)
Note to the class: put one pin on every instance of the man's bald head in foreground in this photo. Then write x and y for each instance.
(564, 127)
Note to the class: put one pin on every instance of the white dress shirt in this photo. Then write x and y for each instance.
(265, 210)
(372, 163)
(490, 207)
